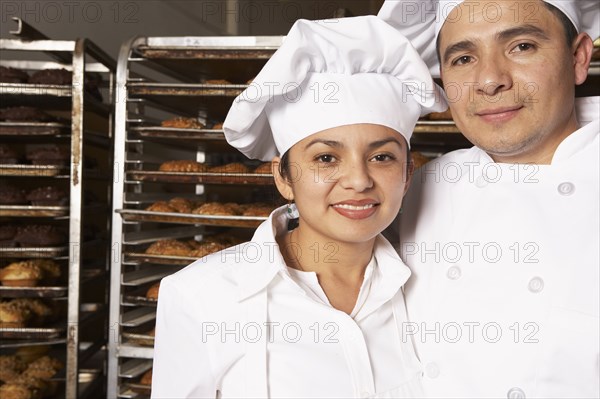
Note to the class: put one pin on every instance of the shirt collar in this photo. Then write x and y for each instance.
(266, 262)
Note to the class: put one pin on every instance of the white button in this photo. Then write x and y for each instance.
(566, 188)
(481, 182)
(432, 370)
(515, 393)
(536, 284)
(454, 273)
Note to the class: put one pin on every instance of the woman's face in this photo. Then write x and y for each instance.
(347, 182)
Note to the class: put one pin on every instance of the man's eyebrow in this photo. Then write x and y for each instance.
(469, 45)
(464, 45)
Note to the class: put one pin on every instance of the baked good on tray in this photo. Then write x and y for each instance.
(152, 292)
(11, 195)
(35, 235)
(8, 156)
(234, 167)
(24, 114)
(13, 316)
(47, 196)
(48, 155)
(169, 247)
(440, 116)
(264, 168)
(45, 368)
(11, 367)
(182, 165)
(21, 274)
(146, 378)
(206, 248)
(256, 210)
(12, 75)
(51, 77)
(182, 123)
(161, 206)
(218, 208)
(419, 159)
(182, 205)
(216, 82)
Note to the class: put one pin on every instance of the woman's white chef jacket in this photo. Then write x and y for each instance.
(238, 323)
(504, 297)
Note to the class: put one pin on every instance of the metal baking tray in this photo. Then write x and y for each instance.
(31, 89)
(33, 292)
(202, 177)
(35, 333)
(33, 211)
(139, 339)
(135, 391)
(33, 252)
(179, 133)
(32, 170)
(161, 259)
(184, 218)
(18, 344)
(440, 126)
(32, 128)
(137, 317)
(184, 89)
(138, 300)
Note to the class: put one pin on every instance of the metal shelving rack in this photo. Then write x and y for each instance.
(177, 66)
(81, 336)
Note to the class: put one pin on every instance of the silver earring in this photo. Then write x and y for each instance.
(292, 211)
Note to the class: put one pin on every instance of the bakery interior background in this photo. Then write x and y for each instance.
(108, 23)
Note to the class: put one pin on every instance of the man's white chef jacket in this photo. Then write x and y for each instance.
(504, 297)
(239, 323)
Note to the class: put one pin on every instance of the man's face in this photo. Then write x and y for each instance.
(510, 78)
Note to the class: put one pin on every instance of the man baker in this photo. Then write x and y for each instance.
(503, 238)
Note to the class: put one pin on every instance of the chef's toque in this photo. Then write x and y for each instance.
(332, 73)
(421, 21)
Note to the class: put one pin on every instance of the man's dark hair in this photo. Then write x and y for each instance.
(568, 27)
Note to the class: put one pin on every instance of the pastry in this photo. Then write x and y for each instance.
(21, 274)
(182, 123)
(419, 159)
(439, 116)
(169, 247)
(39, 236)
(18, 391)
(11, 367)
(48, 155)
(45, 368)
(8, 156)
(146, 378)
(161, 206)
(34, 384)
(234, 167)
(182, 165)
(51, 77)
(206, 248)
(24, 114)
(11, 195)
(218, 126)
(37, 308)
(7, 235)
(264, 168)
(216, 82)
(181, 205)
(29, 353)
(50, 268)
(217, 208)
(13, 75)
(257, 210)
(13, 315)
(152, 292)
(47, 196)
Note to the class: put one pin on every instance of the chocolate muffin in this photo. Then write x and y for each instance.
(48, 155)
(47, 196)
(8, 156)
(39, 236)
(24, 114)
(51, 77)
(7, 235)
(11, 195)
(12, 75)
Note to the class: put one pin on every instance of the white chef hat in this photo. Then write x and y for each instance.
(332, 73)
(421, 21)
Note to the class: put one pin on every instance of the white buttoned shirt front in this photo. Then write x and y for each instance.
(237, 324)
(504, 298)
